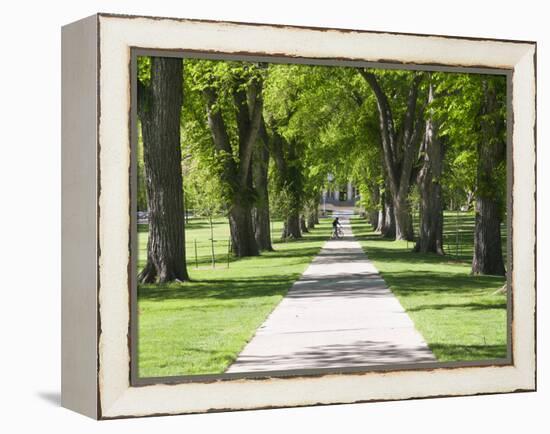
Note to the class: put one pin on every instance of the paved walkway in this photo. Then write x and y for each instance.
(340, 313)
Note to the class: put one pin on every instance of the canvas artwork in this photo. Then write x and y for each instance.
(264, 216)
(295, 218)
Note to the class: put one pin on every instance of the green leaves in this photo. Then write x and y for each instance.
(144, 69)
(328, 118)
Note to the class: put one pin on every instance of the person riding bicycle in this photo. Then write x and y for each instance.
(335, 225)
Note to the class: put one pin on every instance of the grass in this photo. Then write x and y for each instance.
(457, 313)
(199, 327)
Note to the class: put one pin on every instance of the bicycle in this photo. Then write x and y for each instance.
(337, 233)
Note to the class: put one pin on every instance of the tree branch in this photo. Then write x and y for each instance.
(255, 109)
(411, 136)
(219, 133)
(216, 122)
(387, 133)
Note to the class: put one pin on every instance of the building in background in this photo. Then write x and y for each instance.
(337, 196)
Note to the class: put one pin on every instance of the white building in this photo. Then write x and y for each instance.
(340, 193)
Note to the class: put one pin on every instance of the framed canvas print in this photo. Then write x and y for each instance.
(263, 216)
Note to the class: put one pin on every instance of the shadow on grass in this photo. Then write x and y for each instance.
(468, 306)
(429, 282)
(290, 253)
(309, 238)
(383, 249)
(251, 287)
(468, 352)
(397, 254)
(457, 246)
(192, 224)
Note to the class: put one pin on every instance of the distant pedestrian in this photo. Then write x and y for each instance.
(336, 232)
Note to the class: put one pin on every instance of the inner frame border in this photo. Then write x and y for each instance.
(133, 332)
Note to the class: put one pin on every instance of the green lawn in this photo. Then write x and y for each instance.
(199, 327)
(456, 312)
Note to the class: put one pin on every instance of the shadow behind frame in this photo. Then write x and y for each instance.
(133, 338)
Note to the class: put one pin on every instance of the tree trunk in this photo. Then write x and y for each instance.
(159, 108)
(380, 220)
(487, 241)
(315, 209)
(429, 184)
(316, 213)
(388, 230)
(403, 221)
(313, 204)
(243, 242)
(291, 227)
(373, 218)
(311, 220)
(381, 213)
(262, 229)
(373, 213)
(431, 220)
(488, 209)
(289, 179)
(303, 226)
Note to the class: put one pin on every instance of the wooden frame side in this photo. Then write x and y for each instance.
(79, 389)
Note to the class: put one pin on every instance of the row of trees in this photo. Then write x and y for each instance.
(253, 140)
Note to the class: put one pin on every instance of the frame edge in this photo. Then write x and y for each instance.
(79, 323)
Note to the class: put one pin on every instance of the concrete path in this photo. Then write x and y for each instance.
(340, 313)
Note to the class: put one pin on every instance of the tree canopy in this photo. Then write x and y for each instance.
(260, 140)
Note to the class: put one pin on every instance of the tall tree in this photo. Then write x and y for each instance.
(159, 107)
(474, 124)
(289, 181)
(430, 237)
(489, 206)
(284, 87)
(246, 91)
(400, 142)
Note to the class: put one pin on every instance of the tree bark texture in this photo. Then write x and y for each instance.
(429, 184)
(491, 150)
(399, 148)
(243, 242)
(403, 221)
(159, 108)
(388, 228)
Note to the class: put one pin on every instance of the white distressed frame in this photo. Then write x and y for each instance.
(117, 34)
